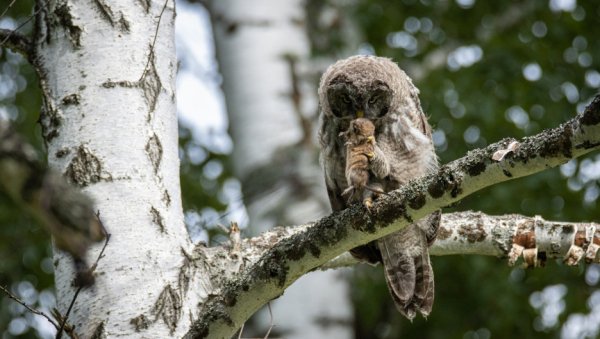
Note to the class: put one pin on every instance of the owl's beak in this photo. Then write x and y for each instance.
(360, 114)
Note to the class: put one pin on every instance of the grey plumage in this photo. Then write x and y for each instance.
(377, 89)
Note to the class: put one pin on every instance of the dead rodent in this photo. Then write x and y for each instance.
(360, 148)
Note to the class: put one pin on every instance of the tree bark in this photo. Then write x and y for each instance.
(107, 72)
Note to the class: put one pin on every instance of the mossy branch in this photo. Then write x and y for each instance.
(291, 256)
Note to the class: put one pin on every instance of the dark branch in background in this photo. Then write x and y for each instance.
(63, 320)
(292, 257)
(7, 8)
(296, 96)
(15, 41)
(58, 206)
(64, 325)
(29, 308)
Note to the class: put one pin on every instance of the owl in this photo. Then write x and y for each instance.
(376, 89)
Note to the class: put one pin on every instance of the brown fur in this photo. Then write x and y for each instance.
(360, 148)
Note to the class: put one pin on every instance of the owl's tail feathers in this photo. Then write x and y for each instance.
(408, 272)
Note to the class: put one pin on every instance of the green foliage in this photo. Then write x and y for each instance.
(25, 264)
(204, 173)
(472, 65)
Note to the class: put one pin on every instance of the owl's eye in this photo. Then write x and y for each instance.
(378, 103)
(373, 99)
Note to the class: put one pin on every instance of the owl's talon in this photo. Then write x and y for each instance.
(368, 203)
(370, 155)
(371, 139)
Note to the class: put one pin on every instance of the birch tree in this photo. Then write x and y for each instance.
(272, 110)
(107, 70)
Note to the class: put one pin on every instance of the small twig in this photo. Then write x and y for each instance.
(153, 41)
(92, 269)
(235, 239)
(14, 31)
(271, 320)
(241, 331)
(66, 317)
(7, 8)
(30, 309)
(107, 235)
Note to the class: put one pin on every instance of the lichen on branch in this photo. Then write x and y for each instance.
(309, 246)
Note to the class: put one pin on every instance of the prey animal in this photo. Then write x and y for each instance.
(360, 149)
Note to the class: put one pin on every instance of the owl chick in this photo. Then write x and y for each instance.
(377, 90)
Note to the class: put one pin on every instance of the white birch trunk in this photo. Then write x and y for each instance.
(263, 48)
(110, 125)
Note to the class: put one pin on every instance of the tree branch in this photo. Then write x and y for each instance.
(514, 236)
(61, 208)
(15, 41)
(315, 244)
(511, 236)
(289, 257)
(29, 308)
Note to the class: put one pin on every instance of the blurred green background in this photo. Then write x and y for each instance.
(486, 70)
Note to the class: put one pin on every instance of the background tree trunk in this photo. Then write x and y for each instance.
(263, 51)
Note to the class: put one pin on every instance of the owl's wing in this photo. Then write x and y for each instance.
(419, 118)
(424, 126)
(335, 197)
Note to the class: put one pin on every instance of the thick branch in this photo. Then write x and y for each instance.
(510, 236)
(514, 236)
(290, 258)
